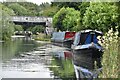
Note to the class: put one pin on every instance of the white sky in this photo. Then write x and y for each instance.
(34, 1)
(39, 1)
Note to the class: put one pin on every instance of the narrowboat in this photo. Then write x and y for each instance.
(87, 54)
(86, 43)
(63, 38)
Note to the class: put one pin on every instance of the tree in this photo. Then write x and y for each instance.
(18, 9)
(49, 11)
(37, 28)
(58, 18)
(70, 20)
(100, 16)
(74, 5)
(66, 19)
(7, 27)
(83, 7)
(18, 28)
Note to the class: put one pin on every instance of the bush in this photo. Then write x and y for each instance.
(66, 19)
(110, 60)
(101, 16)
(18, 28)
(7, 27)
(37, 28)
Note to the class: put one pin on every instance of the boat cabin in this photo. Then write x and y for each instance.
(86, 37)
(62, 36)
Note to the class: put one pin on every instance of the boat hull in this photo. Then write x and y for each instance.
(63, 43)
(87, 57)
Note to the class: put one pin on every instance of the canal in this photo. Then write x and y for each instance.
(31, 59)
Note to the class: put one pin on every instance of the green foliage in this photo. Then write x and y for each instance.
(18, 28)
(58, 18)
(45, 9)
(83, 7)
(37, 28)
(66, 19)
(42, 37)
(7, 27)
(32, 9)
(23, 9)
(100, 16)
(71, 18)
(18, 9)
(74, 5)
(110, 60)
(49, 11)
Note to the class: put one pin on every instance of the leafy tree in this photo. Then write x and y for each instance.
(7, 27)
(18, 9)
(66, 19)
(32, 8)
(101, 16)
(58, 18)
(49, 11)
(83, 7)
(118, 5)
(71, 18)
(37, 28)
(74, 5)
(18, 28)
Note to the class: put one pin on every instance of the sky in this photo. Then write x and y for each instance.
(39, 1)
(34, 1)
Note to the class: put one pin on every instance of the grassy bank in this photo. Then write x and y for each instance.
(42, 37)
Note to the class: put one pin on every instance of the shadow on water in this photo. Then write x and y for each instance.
(86, 66)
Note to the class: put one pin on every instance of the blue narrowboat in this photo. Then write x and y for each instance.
(86, 43)
(87, 54)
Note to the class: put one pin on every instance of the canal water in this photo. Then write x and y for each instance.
(32, 59)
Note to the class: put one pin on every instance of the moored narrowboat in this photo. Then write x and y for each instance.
(86, 43)
(64, 38)
(87, 54)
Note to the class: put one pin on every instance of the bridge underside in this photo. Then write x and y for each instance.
(26, 25)
(30, 23)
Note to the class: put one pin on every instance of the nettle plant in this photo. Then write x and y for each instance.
(110, 57)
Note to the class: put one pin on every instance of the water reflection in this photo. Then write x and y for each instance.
(28, 59)
(63, 59)
(86, 66)
(0, 60)
(22, 60)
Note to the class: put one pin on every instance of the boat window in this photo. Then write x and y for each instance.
(58, 35)
(95, 39)
(82, 38)
(77, 39)
(91, 38)
(85, 38)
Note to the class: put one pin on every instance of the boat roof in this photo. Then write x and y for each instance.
(89, 30)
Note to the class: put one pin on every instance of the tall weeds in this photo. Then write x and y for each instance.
(110, 60)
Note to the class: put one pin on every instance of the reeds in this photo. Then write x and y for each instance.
(110, 61)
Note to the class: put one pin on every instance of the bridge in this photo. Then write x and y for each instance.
(28, 20)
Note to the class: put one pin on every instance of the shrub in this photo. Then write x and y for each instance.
(110, 57)
(101, 16)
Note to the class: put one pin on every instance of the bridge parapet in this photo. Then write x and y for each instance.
(30, 19)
